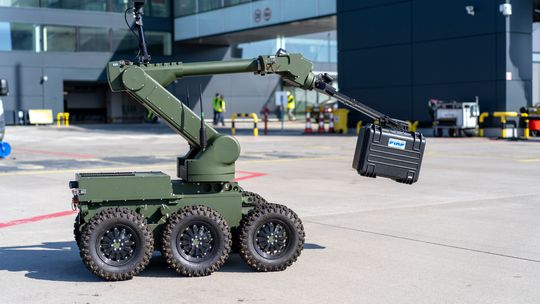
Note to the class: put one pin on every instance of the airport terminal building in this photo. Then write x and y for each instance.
(393, 55)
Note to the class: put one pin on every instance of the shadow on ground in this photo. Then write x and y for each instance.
(60, 261)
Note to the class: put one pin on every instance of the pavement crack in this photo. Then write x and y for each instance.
(426, 242)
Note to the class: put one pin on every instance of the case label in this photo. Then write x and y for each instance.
(396, 144)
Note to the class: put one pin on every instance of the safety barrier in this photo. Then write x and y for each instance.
(245, 115)
(62, 117)
(503, 117)
(481, 120)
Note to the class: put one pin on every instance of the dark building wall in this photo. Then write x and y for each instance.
(396, 55)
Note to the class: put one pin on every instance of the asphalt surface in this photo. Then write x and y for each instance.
(467, 232)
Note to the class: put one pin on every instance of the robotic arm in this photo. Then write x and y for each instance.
(212, 157)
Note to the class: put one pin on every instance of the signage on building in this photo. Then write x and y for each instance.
(267, 14)
(259, 14)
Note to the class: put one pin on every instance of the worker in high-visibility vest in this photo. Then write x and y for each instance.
(291, 104)
(218, 104)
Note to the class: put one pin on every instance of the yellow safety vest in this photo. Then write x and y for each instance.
(218, 104)
(290, 102)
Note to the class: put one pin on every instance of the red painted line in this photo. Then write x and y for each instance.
(37, 218)
(248, 175)
(70, 155)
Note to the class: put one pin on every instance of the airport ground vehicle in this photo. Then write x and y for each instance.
(455, 117)
(197, 219)
(5, 148)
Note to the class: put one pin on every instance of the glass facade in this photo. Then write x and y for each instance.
(318, 47)
(18, 37)
(53, 38)
(155, 8)
(93, 40)
(59, 39)
(190, 7)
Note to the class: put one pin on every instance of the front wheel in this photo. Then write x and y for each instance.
(116, 244)
(271, 237)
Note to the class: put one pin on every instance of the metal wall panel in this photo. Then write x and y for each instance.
(377, 26)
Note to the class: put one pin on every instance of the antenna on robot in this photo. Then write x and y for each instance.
(202, 131)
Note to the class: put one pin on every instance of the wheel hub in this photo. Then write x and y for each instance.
(117, 245)
(196, 242)
(271, 239)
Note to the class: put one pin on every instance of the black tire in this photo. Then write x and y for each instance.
(190, 227)
(263, 252)
(116, 244)
(471, 132)
(251, 199)
(77, 230)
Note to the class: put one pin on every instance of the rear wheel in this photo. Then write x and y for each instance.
(196, 241)
(116, 244)
(271, 237)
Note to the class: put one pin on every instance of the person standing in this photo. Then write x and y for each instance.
(216, 107)
(218, 104)
(291, 104)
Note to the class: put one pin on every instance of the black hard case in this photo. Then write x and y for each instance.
(389, 153)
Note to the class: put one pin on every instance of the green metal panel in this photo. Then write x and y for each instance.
(99, 187)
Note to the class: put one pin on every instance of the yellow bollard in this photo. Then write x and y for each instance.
(481, 119)
(503, 116)
(255, 120)
(526, 131)
(233, 127)
(59, 117)
(252, 115)
(358, 127)
(62, 117)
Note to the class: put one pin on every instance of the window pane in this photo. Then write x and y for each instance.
(160, 8)
(17, 37)
(93, 39)
(123, 41)
(20, 3)
(235, 2)
(23, 37)
(119, 6)
(59, 39)
(185, 7)
(159, 43)
(95, 5)
(207, 5)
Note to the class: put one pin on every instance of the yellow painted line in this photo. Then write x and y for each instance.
(155, 167)
(532, 160)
